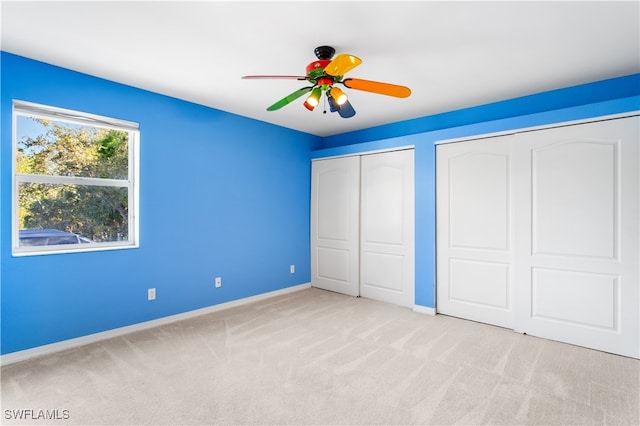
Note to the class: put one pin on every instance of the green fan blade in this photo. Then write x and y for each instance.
(290, 98)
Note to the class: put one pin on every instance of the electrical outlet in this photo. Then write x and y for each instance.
(218, 282)
(151, 294)
(292, 269)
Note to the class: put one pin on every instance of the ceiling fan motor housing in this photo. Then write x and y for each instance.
(316, 68)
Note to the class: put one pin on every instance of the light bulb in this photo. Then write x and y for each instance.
(338, 95)
(314, 98)
(308, 106)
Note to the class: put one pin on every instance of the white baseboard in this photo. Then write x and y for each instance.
(424, 310)
(26, 354)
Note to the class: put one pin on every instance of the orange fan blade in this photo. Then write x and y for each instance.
(341, 64)
(377, 87)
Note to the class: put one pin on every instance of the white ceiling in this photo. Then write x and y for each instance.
(452, 54)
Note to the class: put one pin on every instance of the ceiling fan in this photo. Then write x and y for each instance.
(323, 76)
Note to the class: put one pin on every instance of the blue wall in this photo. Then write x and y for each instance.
(221, 195)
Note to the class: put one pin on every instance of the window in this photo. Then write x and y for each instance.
(74, 181)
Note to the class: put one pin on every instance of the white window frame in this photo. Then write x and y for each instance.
(22, 108)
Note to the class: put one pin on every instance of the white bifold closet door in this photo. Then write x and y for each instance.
(475, 230)
(335, 225)
(387, 227)
(539, 232)
(362, 226)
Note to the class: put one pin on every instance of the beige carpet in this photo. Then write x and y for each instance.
(315, 357)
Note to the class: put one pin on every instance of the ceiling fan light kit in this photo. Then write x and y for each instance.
(324, 74)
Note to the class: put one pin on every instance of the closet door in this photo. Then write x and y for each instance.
(475, 230)
(335, 222)
(540, 232)
(578, 245)
(387, 227)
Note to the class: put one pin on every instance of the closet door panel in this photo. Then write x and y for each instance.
(475, 230)
(387, 227)
(335, 222)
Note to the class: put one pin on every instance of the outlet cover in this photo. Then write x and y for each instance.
(151, 294)
(218, 282)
